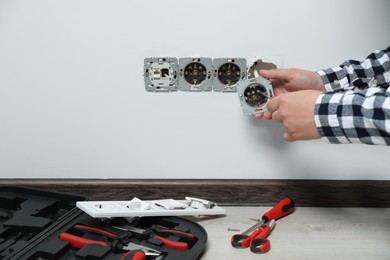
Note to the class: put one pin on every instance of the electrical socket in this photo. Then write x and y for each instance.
(254, 95)
(228, 72)
(195, 74)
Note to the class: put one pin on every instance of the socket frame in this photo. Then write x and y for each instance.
(242, 87)
(155, 77)
(206, 84)
(218, 63)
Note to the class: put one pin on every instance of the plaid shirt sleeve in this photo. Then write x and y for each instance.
(356, 105)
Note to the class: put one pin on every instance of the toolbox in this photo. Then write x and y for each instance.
(38, 225)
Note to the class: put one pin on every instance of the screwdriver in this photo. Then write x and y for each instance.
(281, 209)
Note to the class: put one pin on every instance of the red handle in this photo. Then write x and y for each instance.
(186, 237)
(244, 241)
(173, 244)
(97, 230)
(134, 255)
(263, 232)
(79, 242)
(260, 245)
(283, 208)
(177, 232)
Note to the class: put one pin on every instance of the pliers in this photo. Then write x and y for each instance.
(257, 241)
(132, 251)
(150, 234)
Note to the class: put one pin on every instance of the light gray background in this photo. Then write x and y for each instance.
(73, 103)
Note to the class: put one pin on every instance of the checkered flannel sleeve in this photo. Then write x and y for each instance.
(361, 112)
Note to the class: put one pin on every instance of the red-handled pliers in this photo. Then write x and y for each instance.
(134, 251)
(80, 242)
(165, 242)
(260, 243)
(257, 240)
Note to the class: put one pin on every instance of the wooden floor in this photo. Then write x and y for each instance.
(308, 233)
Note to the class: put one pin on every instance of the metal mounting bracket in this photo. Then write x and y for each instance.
(254, 95)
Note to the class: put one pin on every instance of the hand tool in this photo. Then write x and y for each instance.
(149, 234)
(119, 240)
(80, 242)
(244, 240)
(281, 209)
(99, 231)
(135, 252)
(186, 237)
(260, 243)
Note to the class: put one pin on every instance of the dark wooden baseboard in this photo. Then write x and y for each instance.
(312, 193)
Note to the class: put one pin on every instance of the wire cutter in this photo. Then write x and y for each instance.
(257, 240)
(133, 251)
(259, 232)
(150, 234)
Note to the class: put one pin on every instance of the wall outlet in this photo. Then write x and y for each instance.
(254, 95)
(228, 72)
(195, 74)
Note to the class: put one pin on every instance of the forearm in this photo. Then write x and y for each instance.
(373, 71)
(360, 116)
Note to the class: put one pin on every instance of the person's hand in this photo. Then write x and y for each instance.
(295, 110)
(289, 80)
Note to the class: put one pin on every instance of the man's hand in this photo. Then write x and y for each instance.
(290, 80)
(295, 110)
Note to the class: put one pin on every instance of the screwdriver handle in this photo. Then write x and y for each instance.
(281, 209)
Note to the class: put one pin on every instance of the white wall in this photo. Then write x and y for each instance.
(73, 103)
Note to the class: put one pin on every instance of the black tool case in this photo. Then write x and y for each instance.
(32, 220)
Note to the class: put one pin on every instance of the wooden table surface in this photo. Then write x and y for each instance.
(308, 233)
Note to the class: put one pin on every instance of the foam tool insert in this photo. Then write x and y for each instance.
(38, 225)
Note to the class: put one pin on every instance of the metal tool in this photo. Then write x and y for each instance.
(147, 250)
(165, 242)
(260, 243)
(134, 251)
(244, 239)
(263, 228)
(281, 209)
(185, 237)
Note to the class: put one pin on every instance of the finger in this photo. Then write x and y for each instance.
(268, 115)
(276, 116)
(276, 74)
(288, 137)
(259, 116)
(279, 90)
(273, 104)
